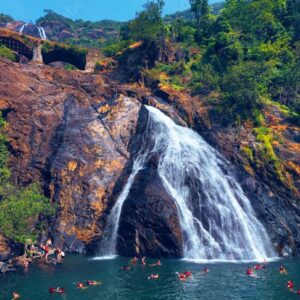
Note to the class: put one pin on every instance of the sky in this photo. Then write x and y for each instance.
(94, 10)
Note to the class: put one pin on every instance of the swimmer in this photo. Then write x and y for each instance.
(258, 267)
(60, 290)
(282, 270)
(181, 276)
(250, 272)
(205, 270)
(134, 261)
(290, 284)
(125, 268)
(52, 290)
(158, 263)
(15, 296)
(93, 282)
(187, 274)
(153, 276)
(80, 285)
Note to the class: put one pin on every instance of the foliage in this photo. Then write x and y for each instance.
(7, 53)
(20, 208)
(5, 19)
(19, 212)
(200, 9)
(148, 24)
(79, 32)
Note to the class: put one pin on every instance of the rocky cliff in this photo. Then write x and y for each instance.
(76, 133)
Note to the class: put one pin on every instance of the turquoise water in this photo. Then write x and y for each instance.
(224, 281)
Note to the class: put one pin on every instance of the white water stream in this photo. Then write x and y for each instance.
(216, 218)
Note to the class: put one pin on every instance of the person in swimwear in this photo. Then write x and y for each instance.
(144, 261)
(205, 270)
(15, 295)
(250, 272)
(153, 276)
(157, 264)
(80, 285)
(60, 290)
(282, 270)
(181, 276)
(134, 261)
(258, 267)
(187, 274)
(290, 284)
(92, 283)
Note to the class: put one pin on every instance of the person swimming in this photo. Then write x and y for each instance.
(258, 267)
(250, 272)
(80, 285)
(125, 268)
(282, 270)
(133, 261)
(187, 273)
(60, 290)
(290, 284)
(181, 276)
(15, 295)
(205, 270)
(153, 276)
(157, 264)
(92, 283)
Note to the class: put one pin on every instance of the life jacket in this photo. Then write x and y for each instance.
(249, 271)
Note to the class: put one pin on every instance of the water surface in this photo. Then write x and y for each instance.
(224, 281)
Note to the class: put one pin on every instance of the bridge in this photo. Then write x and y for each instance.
(46, 52)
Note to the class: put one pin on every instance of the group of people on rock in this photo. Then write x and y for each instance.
(43, 251)
(282, 270)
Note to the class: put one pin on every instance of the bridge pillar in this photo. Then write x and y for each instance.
(37, 54)
(92, 57)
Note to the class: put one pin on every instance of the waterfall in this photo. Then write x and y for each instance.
(22, 27)
(41, 30)
(216, 218)
(42, 33)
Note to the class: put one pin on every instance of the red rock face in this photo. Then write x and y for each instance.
(68, 132)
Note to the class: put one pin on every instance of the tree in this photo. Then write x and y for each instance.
(200, 9)
(148, 24)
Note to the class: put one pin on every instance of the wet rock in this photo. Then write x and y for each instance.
(149, 222)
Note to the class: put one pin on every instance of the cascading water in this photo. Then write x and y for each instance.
(216, 217)
(40, 30)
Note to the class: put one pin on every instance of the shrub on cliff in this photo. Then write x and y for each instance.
(7, 53)
(20, 208)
